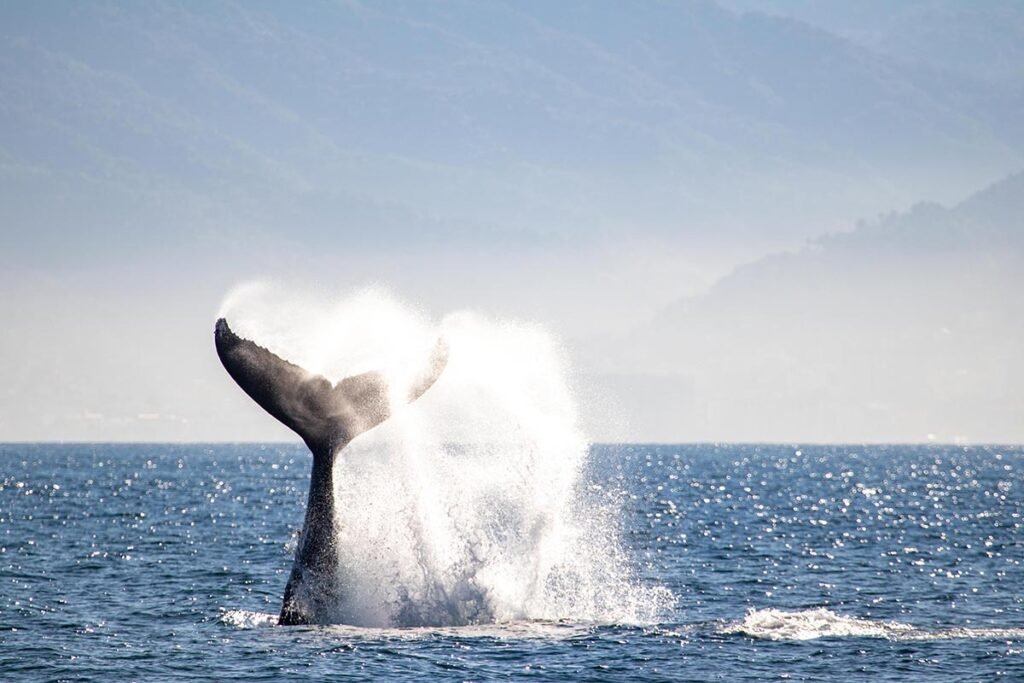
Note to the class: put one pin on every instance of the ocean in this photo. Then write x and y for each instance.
(730, 563)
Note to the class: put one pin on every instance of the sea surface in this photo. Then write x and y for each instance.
(785, 562)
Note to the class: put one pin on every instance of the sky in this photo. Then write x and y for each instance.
(629, 177)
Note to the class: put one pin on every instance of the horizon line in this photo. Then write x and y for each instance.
(980, 444)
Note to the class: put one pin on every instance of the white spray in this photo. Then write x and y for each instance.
(464, 507)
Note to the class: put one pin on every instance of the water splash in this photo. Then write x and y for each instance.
(465, 507)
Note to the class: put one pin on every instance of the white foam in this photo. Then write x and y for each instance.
(520, 630)
(774, 624)
(465, 507)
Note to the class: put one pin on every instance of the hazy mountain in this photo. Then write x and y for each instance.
(907, 327)
(129, 127)
(579, 163)
(981, 39)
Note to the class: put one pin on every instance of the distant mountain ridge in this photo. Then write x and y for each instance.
(468, 123)
(579, 163)
(907, 327)
(992, 218)
(981, 39)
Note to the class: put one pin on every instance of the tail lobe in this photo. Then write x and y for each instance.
(326, 416)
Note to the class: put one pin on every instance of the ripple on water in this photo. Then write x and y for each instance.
(818, 563)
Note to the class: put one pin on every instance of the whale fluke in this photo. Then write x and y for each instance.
(327, 416)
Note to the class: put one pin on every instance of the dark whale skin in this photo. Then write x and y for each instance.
(327, 417)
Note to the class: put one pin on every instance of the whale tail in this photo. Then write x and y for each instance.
(327, 416)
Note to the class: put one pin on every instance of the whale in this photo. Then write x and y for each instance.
(327, 416)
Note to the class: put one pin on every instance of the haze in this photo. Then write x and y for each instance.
(785, 221)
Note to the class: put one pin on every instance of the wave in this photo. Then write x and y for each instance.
(810, 624)
(519, 630)
(763, 624)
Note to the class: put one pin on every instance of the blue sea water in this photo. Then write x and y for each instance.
(882, 563)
